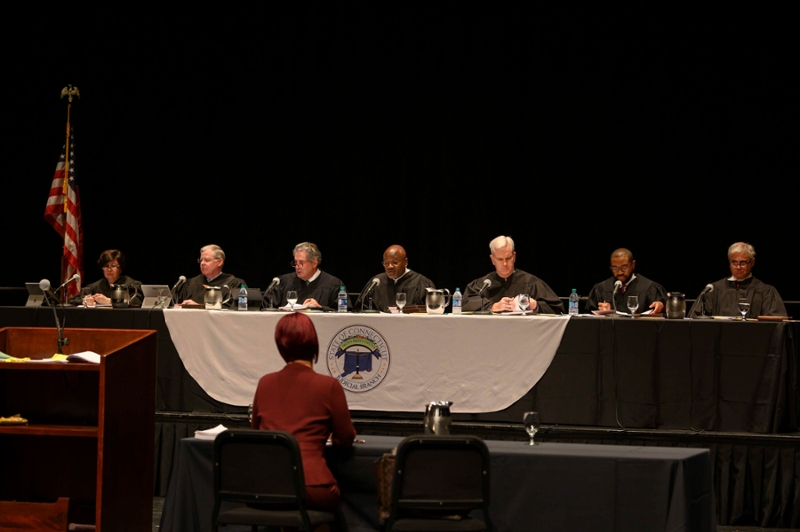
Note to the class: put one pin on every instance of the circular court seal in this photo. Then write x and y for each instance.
(358, 357)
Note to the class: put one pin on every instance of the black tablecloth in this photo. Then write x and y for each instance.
(551, 486)
(682, 374)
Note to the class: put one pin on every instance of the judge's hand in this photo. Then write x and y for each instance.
(603, 306)
(188, 302)
(507, 303)
(311, 302)
(103, 300)
(657, 307)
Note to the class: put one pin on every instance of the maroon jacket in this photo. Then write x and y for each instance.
(311, 407)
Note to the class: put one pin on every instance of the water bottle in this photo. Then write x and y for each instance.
(342, 299)
(573, 303)
(457, 301)
(243, 298)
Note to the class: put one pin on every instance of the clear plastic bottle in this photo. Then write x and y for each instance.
(457, 301)
(573, 303)
(342, 300)
(243, 298)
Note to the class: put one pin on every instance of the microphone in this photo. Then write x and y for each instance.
(73, 279)
(275, 282)
(486, 284)
(700, 303)
(617, 286)
(372, 284)
(44, 284)
(375, 282)
(181, 280)
(178, 284)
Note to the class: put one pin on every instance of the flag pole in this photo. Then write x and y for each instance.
(70, 92)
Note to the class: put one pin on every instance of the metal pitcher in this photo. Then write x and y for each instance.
(121, 295)
(214, 297)
(437, 418)
(436, 300)
(676, 305)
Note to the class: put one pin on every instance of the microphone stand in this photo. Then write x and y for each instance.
(369, 310)
(483, 311)
(267, 293)
(61, 340)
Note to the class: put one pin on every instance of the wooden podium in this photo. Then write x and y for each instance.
(91, 427)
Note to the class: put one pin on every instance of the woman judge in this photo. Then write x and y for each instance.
(308, 405)
(112, 263)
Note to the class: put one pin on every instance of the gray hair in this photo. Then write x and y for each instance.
(218, 253)
(501, 242)
(312, 251)
(742, 247)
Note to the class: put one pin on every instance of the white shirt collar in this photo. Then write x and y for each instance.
(397, 279)
(314, 277)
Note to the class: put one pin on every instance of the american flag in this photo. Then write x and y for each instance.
(63, 212)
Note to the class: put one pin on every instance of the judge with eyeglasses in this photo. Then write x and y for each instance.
(211, 260)
(723, 300)
(112, 264)
(315, 288)
(652, 295)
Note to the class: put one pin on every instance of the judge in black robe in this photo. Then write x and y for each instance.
(112, 263)
(413, 284)
(519, 282)
(324, 289)
(651, 295)
(639, 285)
(211, 260)
(507, 283)
(195, 288)
(396, 278)
(724, 299)
(315, 288)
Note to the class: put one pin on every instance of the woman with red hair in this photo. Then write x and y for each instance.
(306, 404)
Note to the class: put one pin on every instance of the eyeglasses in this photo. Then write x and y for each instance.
(205, 261)
(504, 260)
(622, 269)
(111, 267)
(394, 263)
(301, 263)
(740, 263)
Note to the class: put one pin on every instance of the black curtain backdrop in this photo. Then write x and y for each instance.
(435, 126)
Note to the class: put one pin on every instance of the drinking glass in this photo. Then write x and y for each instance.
(524, 302)
(163, 294)
(633, 304)
(531, 422)
(86, 293)
(400, 299)
(744, 306)
(291, 297)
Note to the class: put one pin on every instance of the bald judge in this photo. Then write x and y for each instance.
(397, 278)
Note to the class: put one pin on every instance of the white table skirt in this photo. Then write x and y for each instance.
(481, 363)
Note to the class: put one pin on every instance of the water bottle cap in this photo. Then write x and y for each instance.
(574, 290)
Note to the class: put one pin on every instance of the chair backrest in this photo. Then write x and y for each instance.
(440, 475)
(258, 466)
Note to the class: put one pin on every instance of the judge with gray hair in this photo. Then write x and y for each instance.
(507, 282)
(211, 260)
(723, 300)
(315, 288)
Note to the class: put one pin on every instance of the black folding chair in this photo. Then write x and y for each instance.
(263, 469)
(438, 481)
